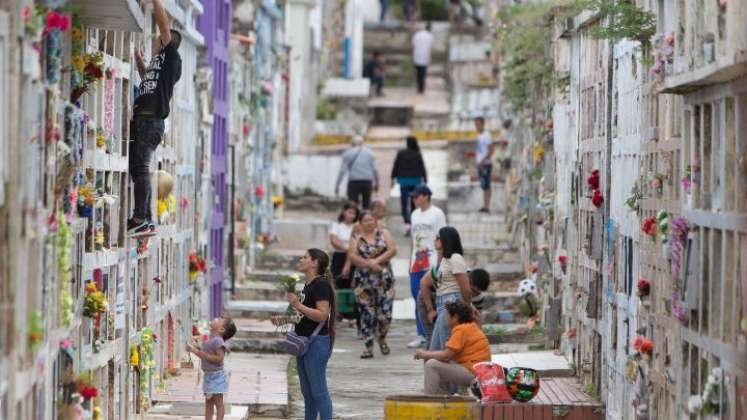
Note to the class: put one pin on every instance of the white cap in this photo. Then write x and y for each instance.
(357, 139)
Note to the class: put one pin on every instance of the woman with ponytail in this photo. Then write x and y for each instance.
(316, 305)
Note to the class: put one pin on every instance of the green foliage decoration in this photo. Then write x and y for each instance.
(523, 41)
(625, 20)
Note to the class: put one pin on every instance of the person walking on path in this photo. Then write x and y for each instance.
(383, 7)
(317, 306)
(427, 220)
(374, 70)
(422, 43)
(359, 164)
(484, 149)
(340, 233)
(371, 253)
(452, 284)
(150, 110)
(454, 365)
(409, 172)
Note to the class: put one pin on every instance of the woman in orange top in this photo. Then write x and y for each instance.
(467, 346)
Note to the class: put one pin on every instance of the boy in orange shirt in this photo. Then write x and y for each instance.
(454, 365)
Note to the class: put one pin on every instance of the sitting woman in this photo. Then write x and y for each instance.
(466, 346)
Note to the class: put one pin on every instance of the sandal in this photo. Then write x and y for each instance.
(384, 348)
(367, 354)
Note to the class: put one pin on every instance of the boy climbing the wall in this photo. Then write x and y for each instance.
(150, 110)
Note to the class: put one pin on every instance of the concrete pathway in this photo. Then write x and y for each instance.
(256, 381)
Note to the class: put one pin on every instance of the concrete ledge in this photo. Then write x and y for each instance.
(338, 87)
(255, 308)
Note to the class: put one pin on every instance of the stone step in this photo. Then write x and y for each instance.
(268, 275)
(259, 309)
(260, 290)
(391, 115)
(276, 259)
(257, 345)
(512, 333)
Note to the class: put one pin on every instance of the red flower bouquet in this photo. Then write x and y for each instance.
(643, 345)
(597, 199)
(563, 260)
(593, 180)
(649, 227)
(89, 392)
(644, 287)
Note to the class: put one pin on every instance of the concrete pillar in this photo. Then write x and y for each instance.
(353, 42)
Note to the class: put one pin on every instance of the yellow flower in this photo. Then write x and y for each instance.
(76, 34)
(79, 63)
(539, 153)
(100, 139)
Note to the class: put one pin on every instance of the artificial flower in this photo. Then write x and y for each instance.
(649, 227)
(597, 199)
(593, 180)
(89, 392)
(644, 287)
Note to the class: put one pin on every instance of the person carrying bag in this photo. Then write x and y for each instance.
(313, 335)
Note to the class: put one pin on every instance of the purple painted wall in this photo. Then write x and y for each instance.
(215, 26)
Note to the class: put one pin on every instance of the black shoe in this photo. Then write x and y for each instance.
(135, 229)
(484, 210)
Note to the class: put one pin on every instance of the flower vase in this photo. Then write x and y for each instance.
(193, 276)
(666, 250)
(53, 56)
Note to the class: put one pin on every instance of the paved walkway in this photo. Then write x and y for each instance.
(256, 381)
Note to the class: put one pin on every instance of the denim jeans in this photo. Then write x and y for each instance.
(415, 290)
(442, 329)
(405, 201)
(147, 134)
(312, 374)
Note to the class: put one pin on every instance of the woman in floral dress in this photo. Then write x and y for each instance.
(370, 252)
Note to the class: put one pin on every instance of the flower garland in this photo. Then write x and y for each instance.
(678, 237)
(147, 364)
(64, 242)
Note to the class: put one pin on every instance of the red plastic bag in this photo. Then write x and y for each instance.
(492, 382)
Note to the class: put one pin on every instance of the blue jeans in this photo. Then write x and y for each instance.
(442, 329)
(415, 290)
(312, 374)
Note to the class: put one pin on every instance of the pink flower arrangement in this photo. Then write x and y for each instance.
(56, 21)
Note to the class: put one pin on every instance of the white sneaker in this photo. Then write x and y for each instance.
(416, 343)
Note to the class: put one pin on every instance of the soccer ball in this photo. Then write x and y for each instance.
(527, 286)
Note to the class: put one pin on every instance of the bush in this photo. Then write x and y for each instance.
(434, 10)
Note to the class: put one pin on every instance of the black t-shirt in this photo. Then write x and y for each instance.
(157, 86)
(317, 290)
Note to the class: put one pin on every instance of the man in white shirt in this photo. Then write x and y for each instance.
(426, 221)
(483, 156)
(422, 42)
